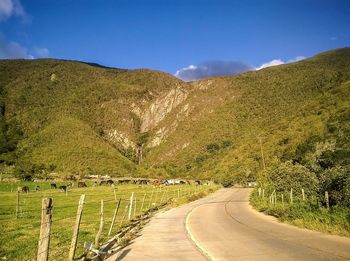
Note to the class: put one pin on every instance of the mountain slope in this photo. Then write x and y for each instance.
(89, 119)
(283, 104)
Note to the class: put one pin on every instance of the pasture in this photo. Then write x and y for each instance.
(20, 232)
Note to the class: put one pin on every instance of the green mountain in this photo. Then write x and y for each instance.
(77, 118)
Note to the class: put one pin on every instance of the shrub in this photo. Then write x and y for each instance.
(288, 175)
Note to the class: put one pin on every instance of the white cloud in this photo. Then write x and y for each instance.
(41, 52)
(211, 68)
(13, 50)
(10, 8)
(333, 38)
(275, 62)
(185, 69)
(296, 59)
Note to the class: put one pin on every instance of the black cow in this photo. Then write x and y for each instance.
(25, 189)
(37, 188)
(109, 182)
(53, 186)
(63, 187)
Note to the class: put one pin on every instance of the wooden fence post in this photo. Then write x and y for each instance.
(143, 201)
(74, 241)
(282, 199)
(134, 207)
(114, 217)
(150, 201)
(263, 193)
(161, 200)
(115, 195)
(259, 192)
(303, 194)
(17, 203)
(124, 214)
(130, 205)
(291, 195)
(326, 197)
(155, 199)
(99, 232)
(45, 230)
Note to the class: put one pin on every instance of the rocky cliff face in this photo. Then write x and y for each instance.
(155, 112)
(148, 115)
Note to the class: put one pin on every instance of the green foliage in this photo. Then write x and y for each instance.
(142, 138)
(288, 175)
(213, 147)
(336, 181)
(27, 171)
(307, 214)
(75, 120)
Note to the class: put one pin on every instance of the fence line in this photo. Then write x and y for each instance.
(134, 206)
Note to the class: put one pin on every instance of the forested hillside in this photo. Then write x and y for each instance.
(71, 117)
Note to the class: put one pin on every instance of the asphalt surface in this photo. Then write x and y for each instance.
(224, 227)
(229, 229)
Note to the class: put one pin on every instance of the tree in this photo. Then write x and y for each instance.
(288, 175)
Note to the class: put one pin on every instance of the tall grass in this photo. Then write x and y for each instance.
(310, 214)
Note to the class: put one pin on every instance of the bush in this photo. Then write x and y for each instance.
(337, 182)
(288, 175)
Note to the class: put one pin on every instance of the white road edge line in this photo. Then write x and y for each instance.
(201, 249)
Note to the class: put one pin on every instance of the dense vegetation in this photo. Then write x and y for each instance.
(56, 116)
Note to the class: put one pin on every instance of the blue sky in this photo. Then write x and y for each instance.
(169, 35)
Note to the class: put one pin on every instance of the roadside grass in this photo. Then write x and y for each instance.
(308, 214)
(20, 236)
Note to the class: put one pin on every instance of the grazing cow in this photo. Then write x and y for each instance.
(37, 188)
(63, 187)
(28, 178)
(143, 181)
(82, 184)
(25, 189)
(102, 182)
(124, 181)
(156, 183)
(53, 186)
(109, 182)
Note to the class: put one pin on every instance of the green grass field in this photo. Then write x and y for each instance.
(20, 235)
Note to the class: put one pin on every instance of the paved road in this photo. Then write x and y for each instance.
(165, 237)
(228, 229)
(224, 227)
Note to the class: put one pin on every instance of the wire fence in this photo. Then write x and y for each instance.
(275, 198)
(105, 211)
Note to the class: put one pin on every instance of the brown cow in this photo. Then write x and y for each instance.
(82, 184)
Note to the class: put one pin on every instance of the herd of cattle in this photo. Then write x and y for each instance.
(110, 182)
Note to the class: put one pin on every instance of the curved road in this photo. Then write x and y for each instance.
(224, 227)
(229, 229)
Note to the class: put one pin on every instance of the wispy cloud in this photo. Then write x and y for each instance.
(9, 8)
(13, 50)
(41, 52)
(211, 68)
(333, 38)
(275, 62)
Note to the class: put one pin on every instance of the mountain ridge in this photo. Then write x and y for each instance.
(170, 127)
